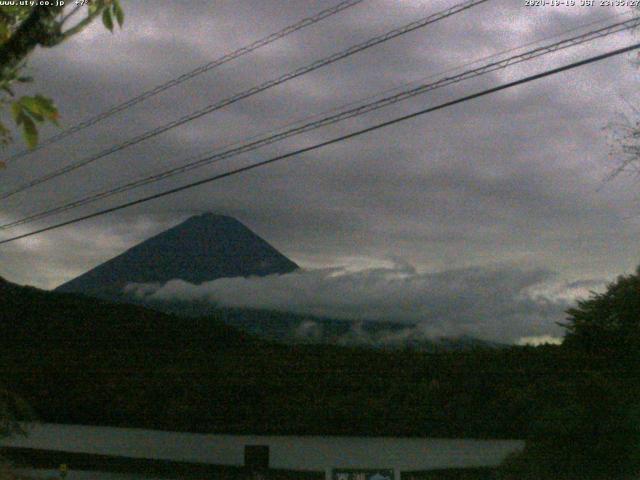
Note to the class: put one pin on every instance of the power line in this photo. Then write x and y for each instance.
(345, 114)
(335, 118)
(305, 22)
(252, 91)
(332, 141)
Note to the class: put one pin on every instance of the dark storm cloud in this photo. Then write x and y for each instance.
(508, 179)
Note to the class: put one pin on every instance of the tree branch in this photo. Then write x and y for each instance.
(79, 26)
(70, 14)
(39, 28)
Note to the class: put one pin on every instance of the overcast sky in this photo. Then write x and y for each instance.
(510, 183)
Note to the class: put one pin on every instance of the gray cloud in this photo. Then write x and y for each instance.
(500, 303)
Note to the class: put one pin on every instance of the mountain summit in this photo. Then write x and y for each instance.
(203, 248)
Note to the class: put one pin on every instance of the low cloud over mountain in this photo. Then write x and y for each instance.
(505, 304)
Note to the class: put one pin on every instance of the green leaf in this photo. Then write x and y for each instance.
(119, 13)
(32, 105)
(46, 103)
(107, 20)
(40, 107)
(5, 138)
(30, 132)
(16, 111)
(4, 31)
(95, 5)
(25, 79)
(35, 116)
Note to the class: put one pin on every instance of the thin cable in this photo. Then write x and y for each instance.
(305, 22)
(252, 91)
(353, 112)
(378, 126)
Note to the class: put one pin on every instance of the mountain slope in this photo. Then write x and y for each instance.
(31, 318)
(202, 248)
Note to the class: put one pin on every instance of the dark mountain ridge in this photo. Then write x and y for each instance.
(200, 249)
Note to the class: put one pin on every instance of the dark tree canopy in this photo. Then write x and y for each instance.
(608, 323)
(590, 428)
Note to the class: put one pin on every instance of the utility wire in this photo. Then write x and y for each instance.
(252, 91)
(305, 22)
(378, 126)
(345, 114)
